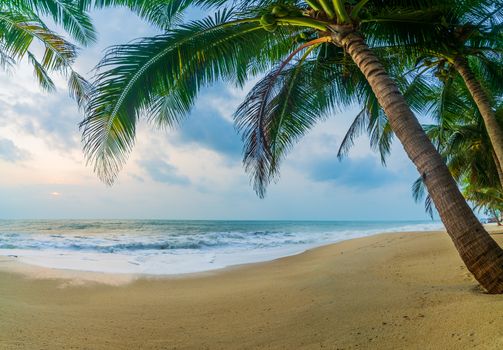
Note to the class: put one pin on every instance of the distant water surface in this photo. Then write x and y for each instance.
(163, 247)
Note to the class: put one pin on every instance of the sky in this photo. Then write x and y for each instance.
(193, 172)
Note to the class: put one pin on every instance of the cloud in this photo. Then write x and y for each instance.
(136, 177)
(208, 128)
(359, 173)
(164, 172)
(11, 153)
(52, 117)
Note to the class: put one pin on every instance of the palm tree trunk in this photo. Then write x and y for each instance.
(481, 254)
(479, 96)
(496, 217)
(498, 167)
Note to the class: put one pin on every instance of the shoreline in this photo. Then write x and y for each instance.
(388, 291)
(11, 264)
(169, 248)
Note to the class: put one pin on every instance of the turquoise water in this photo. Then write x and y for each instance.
(173, 247)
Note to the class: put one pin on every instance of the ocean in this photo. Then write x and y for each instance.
(162, 247)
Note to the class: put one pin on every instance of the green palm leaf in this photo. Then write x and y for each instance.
(41, 74)
(66, 13)
(275, 114)
(21, 25)
(163, 75)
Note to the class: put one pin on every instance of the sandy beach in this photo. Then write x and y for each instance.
(390, 291)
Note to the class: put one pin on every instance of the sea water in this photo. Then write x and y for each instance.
(161, 247)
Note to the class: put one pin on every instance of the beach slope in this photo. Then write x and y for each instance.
(390, 291)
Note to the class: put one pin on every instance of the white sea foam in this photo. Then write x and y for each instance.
(174, 247)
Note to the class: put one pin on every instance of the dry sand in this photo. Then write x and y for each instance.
(391, 291)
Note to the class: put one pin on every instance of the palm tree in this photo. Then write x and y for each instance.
(488, 200)
(303, 48)
(459, 133)
(461, 138)
(466, 40)
(472, 44)
(466, 146)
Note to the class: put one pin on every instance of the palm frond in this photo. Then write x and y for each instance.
(78, 87)
(276, 113)
(419, 192)
(68, 14)
(357, 127)
(163, 75)
(41, 74)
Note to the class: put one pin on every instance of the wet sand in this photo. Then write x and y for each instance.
(390, 291)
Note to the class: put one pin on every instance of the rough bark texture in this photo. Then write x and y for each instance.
(479, 96)
(498, 167)
(481, 254)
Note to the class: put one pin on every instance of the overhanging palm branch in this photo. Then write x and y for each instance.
(21, 25)
(161, 76)
(68, 14)
(280, 109)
